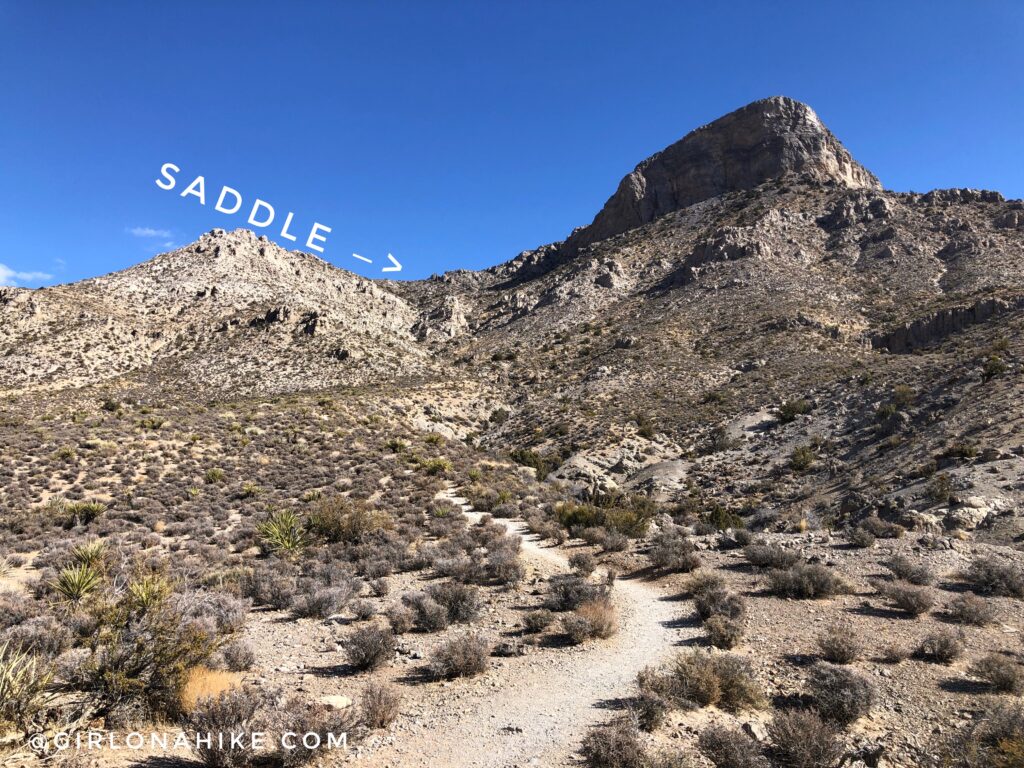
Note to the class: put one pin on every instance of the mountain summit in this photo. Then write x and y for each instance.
(764, 140)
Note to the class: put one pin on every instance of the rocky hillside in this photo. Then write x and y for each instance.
(751, 320)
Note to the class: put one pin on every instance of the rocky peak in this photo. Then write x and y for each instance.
(762, 141)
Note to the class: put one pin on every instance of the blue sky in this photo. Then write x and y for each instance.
(454, 134)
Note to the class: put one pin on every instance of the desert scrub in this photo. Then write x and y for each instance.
(723, 632)
(370, 647)
(840, 695)
(971, 609)
(592, 619)
(996, 740)
(912, 570)
(991, 576)
(566, 592)
(537, 621)
(771, 556)
(1001, 674)
(943, 646)
(806, 582)
(76, 582)
(908, 598)
(463, 656)
(839, 644)
(379, 705)
(699, 679)
(801, 739)
(730, 748)
(338, 519)
(616, 745)
(234, 711)
(673, 552)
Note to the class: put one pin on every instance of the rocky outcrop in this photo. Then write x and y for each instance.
(762, 141)
(938, 325)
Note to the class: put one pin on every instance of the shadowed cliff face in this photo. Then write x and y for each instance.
(764, 140)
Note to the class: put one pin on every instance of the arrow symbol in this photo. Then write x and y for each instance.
(362, 258)
(396, 268)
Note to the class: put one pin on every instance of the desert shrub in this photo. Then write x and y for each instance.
(915, 572)
(339, 519)
(862, 538)
(807, 582)
(943, 646)
(882, 529)
(306, 719)
(720, 602)
(614, 541)
(971, 609)
(1001, 674)
(771, 556)
(321, 603)
(431, 616)
(802, 458)
(401, 618)
(839, 644)
(537, 621)
(700, 679)
(724, 632)
(626, 515)
(801, 739)
(566, 592)
(363, 609)
(15, 609)
(504, 567)
(24, 679)
(143, 657)
(233, 711)
(701, 582)
(613, 746)
(650, 709)
(790, 409)
(840, 695)
(730, 748)
(913, 600)
(463, 656)
(994, 577)
(592, 619)
(266, 586)
(379, 705)
(583, 563)
(41, 636)
(672, 551)
(996, 740)
(238, 656)
(462, 602)
(370, 647)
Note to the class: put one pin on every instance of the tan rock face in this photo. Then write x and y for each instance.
(762, 141)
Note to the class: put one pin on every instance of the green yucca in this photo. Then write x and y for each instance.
(84, 512)
(149, 591)
(91, 554)
(282, 533)
(76, 582)
(23, 683)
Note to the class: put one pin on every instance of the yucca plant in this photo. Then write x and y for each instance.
(92, 554)
(283, 534)
(5, 566)
(149, 591)
(84, 512)
(23, 683)
(76, 582)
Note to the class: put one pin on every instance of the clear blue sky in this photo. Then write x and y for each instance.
(455, 134)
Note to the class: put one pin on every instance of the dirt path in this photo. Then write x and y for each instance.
(536, 709)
